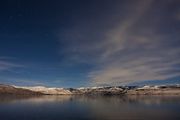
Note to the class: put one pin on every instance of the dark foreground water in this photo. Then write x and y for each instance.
(90, 108)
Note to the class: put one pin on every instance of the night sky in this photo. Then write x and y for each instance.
(74, 43)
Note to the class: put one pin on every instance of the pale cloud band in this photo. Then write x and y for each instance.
(6, 65)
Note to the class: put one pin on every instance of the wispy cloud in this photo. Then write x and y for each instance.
(22, 81)
(6, 65)
(139, 46)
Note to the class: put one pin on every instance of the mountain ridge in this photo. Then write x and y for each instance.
(107, 90)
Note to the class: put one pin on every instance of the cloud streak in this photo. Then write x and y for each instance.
(6, 65)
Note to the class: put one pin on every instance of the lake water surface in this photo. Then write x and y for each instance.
(90, 108)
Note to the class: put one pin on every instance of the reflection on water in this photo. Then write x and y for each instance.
(90, 108)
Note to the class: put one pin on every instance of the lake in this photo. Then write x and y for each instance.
(90, 108)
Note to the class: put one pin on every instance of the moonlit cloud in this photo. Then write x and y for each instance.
(178, 16)
(137, 44)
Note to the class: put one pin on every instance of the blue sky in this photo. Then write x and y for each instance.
(74, 43)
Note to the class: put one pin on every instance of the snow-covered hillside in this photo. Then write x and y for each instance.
(46, 90)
